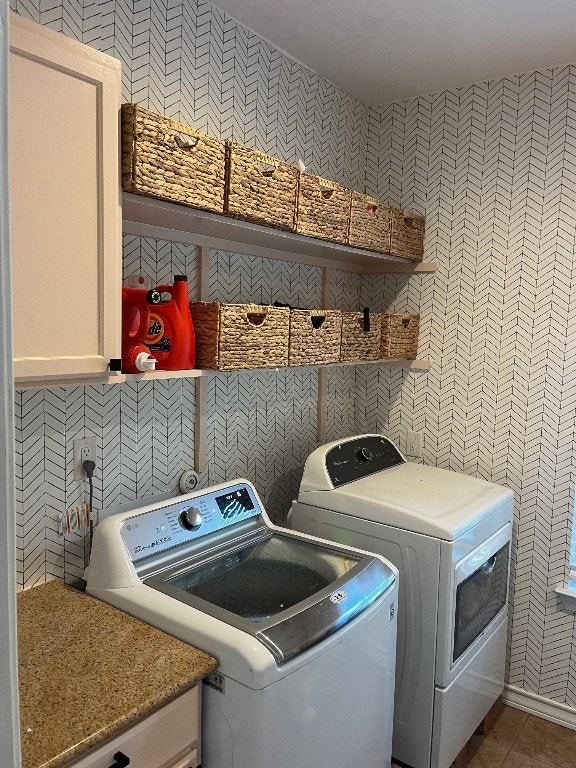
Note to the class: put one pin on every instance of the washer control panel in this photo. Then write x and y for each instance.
(359, 457)
(157, 529)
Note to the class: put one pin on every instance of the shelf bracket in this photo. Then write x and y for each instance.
(202, 266)
(200, 460)
(323, 372)
(321, 420)
(201, 391)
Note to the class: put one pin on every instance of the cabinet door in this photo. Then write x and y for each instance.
(169, 738)
(64, 204)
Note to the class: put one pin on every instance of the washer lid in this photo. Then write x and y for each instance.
(415, 497)
(286, 591)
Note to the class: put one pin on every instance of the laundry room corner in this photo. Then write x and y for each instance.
(486, 166)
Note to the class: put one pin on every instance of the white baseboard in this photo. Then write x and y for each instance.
(540, 706)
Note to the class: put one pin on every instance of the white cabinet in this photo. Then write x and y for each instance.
(168, 738)
(65, 210)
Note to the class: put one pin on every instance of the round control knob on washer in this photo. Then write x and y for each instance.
(190, 519)
(364, 454)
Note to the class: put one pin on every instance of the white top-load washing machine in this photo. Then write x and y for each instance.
(304, 631)
(449, 536)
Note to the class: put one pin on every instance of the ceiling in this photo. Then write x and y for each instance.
(386, 50)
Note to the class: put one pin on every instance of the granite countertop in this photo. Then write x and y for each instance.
(87, 671)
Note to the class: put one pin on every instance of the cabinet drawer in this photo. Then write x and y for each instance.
(190, 761)
(166, 739)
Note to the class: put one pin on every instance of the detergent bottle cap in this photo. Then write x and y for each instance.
(180, 278)
(153, 296)
(145, 362)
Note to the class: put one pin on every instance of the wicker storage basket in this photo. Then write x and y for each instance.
(315, 336)
(400, 336)
(232, 336)
(260, 188)
(406, 235)
(369, 223)
(357, 343)
(323, 209)
(169, 160)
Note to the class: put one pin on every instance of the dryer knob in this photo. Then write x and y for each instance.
(364, 454)
(190, 519)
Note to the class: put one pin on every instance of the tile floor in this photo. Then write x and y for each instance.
(510, 738)
(519, 740)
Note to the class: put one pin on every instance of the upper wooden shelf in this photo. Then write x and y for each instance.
(168, 221)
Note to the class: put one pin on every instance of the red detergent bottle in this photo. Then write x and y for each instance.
(170, 335)
(136, 302)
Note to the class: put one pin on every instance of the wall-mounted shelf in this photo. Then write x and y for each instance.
(106, 378)
(195, 373)
(148, 217)
(161, 220)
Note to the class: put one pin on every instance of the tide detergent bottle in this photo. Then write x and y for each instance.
(136, 302)
(170, 336)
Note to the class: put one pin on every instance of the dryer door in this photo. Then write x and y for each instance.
(473, 599)
(480, 596)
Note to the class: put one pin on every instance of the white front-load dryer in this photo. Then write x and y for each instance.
(449, 536)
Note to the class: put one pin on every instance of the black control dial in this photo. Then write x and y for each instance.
(364, 454)
(190, 518)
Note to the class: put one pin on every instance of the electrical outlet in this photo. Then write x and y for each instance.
(414, 444)
(84, 449)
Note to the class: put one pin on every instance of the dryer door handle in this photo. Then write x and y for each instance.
(489, 565)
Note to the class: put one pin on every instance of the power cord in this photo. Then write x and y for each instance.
(89, 466)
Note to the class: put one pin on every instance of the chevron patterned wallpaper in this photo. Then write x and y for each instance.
(493, 168)
(191, 62)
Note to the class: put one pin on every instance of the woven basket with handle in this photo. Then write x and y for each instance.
(170, 160)
(260, 188)
(233, 336)
(360, 339)
(315, 336)
(406, 234)
(369, 223)
(323, 209)
(400, 336)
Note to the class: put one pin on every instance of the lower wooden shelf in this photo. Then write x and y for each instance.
(119, 378)
(415, 365)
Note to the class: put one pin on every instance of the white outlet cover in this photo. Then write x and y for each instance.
(414, 444)
(84, 448)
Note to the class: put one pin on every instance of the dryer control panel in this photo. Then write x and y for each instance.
(359, 457)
